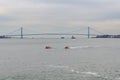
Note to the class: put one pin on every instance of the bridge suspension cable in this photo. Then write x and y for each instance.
(12, 32)
(97, 31)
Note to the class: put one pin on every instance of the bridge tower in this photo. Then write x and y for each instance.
(88, 32)
(21, 32)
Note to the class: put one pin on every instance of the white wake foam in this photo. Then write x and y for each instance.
(91, 73)
(83, 47)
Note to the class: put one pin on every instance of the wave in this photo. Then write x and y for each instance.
(72, 70)
(117, 78)
(58, 66)
(91, 73)
(69, 69)
(75, 71)
(95, 74)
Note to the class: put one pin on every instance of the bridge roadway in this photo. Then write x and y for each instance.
(53, 34)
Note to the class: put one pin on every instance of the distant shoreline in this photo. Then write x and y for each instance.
(107, 36)
(98, 36)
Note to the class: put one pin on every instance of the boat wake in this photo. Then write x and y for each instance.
(83, 47)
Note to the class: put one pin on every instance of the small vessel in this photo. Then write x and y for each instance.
(62, 37)
(48, 47)
(66, 47)
(73, 37)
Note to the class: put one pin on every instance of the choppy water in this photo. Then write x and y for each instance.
(87, 59)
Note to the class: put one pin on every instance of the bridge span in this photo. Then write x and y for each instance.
(22, 34)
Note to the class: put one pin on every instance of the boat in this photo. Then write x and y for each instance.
(73, 37)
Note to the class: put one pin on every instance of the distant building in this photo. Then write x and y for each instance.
(2, 37)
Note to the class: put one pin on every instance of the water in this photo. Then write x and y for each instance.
(87, 59)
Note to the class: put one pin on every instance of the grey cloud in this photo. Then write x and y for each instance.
(6, 18)
(56, 14)
(85, 3)
(110, 16)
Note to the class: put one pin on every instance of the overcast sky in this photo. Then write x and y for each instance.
(60, 15)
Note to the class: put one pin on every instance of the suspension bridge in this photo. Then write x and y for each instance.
(21, 33)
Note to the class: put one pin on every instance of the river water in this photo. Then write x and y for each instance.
(86, 59)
